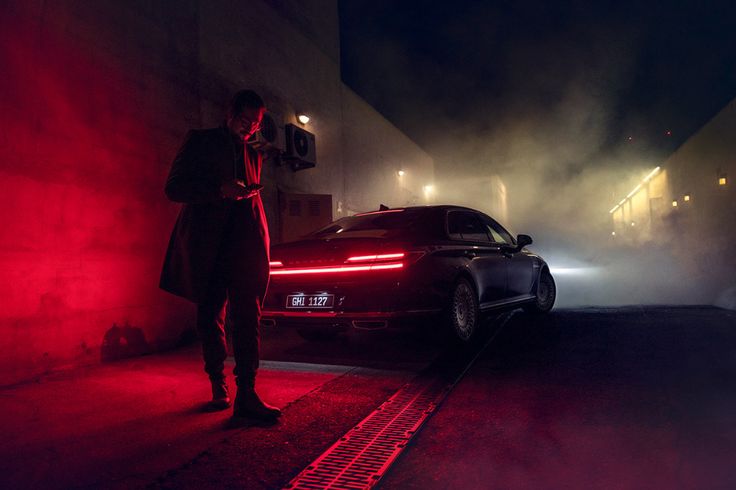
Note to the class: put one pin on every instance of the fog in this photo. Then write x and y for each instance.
(561, 178)
(546, 113)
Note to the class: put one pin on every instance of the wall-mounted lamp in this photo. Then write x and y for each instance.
(686, 198)
(722, 181)
(674, 204)
(401, 173)
(303, 118)
(428, 189)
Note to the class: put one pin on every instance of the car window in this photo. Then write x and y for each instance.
(497, 232)
(465, 225)
(379, 223)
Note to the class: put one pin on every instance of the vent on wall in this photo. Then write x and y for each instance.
(301, 151)
(271, 134)
(295, 207)
(314, 208)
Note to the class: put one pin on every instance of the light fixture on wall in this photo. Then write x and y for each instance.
(686, 198)
(401, 173)
(303, 118)
(674, 204)
(722, 180)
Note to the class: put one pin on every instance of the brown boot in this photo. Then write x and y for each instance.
(249, 405)
(220, 395)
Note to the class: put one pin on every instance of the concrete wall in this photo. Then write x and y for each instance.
(96, 97)
(700, 231)
(375, 152)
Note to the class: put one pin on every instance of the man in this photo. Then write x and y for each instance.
(219, 249)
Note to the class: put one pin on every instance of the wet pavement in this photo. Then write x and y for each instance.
(638, 397)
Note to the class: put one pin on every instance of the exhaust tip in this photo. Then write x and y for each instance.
(370, 324)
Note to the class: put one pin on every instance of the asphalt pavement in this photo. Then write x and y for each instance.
(636, 397)
(640, 397)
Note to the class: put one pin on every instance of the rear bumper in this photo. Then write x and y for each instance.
(360, 300)
(368, 320)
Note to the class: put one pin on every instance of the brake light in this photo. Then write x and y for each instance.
(376, 258)
(336, 269)
(358, 263)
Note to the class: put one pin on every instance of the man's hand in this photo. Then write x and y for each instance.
(235, 189)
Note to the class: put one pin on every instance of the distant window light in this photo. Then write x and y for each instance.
(613, 233)
(722, 181)
(633, 223)
(686, 198)
(401, 173)
(674, 204)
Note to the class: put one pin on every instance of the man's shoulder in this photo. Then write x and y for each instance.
(208, 133)
(206, 137)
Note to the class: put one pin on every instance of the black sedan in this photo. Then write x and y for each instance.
(374, 269)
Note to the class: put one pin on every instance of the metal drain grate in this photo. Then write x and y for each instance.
(361, 457)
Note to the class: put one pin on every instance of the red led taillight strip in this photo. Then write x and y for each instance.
(373, 258)
(337, 269)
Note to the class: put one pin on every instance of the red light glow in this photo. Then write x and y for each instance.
(276, 263)
(373, 258)
(338, 269)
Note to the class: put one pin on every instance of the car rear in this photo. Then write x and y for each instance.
(364, 271)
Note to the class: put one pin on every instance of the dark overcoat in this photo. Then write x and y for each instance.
(206, 222)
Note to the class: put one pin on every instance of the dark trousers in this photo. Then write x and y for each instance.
(245, 314)
(236, 287)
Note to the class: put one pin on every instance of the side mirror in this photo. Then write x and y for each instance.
(523, 240)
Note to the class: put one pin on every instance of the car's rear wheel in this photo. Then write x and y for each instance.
(546, 294)
(463, 313)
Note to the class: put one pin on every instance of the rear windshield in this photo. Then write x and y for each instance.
(375, 224)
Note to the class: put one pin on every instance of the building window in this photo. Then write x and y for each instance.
(722, 180)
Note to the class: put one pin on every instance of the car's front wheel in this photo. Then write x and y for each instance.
(545, 297)
(463, 313)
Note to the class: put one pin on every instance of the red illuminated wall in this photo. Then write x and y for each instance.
(96, 98)
(94, 102)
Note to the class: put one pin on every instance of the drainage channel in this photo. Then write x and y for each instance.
(360, 458)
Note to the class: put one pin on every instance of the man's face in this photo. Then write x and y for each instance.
(246, 123)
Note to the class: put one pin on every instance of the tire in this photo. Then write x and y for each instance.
(545, 295)
(463, 312)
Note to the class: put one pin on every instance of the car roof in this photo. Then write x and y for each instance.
(427, 207)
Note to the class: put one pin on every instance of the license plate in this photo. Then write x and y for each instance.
(310, 301)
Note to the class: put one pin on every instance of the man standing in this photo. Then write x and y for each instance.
(219, 248)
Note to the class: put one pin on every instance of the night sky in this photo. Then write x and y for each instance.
(597, 78)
